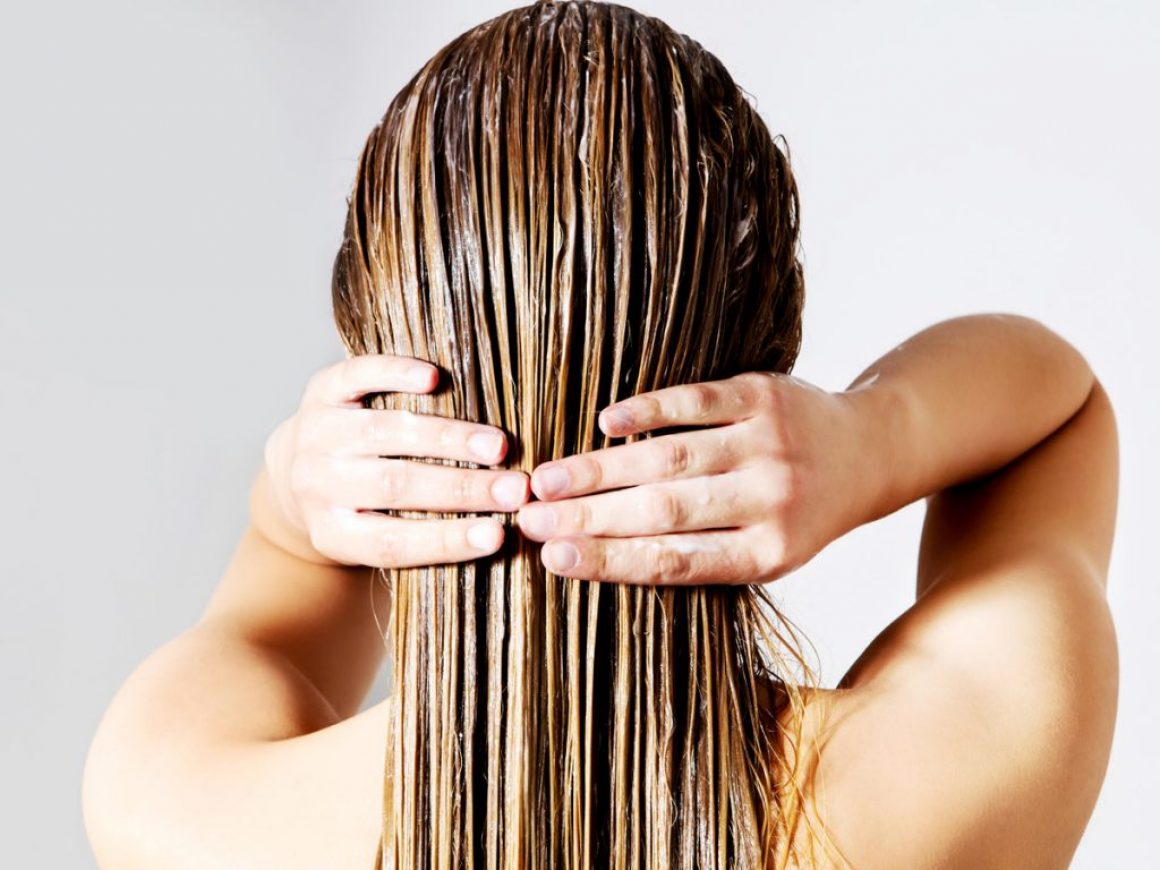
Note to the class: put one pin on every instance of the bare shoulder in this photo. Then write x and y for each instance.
(155, 796)
(975, 730)
(316, 798)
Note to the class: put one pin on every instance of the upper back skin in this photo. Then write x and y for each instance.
(975, 729)
(973, 732)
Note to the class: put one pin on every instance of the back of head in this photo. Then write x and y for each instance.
(569, 204)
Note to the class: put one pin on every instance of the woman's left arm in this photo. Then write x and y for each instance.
(289, 643)
(301, 582)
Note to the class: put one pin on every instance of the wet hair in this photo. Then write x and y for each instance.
(569, 204)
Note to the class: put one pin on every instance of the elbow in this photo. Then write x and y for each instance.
(1063, 368)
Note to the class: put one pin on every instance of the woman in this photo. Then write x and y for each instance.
(571, 228)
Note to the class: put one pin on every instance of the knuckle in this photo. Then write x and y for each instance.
(750, 378)
(725, 447)
(480, 485)
(588, 472)
(376, 429)
(663, 508)
(673, 566)
(579, 517)
(605, 563)
(467, 487)
(407, 431)
(761, 390)
(773, 397)
(395, 482)
(754, 380)
(744, 397)
(447, 435)
(673, 456)
(645, 410)
(700, 399)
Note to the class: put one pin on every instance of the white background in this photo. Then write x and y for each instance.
(172, 183)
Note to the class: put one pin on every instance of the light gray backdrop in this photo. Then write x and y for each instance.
(172, 183)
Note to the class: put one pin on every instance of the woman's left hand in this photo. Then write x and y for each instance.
(777, 475)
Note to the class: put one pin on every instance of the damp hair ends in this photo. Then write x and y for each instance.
(569, 204)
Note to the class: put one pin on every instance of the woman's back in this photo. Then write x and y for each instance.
(973, 732)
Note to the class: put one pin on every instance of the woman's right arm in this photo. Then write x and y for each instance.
(975, 729)
(960, 399)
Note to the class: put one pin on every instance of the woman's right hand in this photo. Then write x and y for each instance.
(325, 473)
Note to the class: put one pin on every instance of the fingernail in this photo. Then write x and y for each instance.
(510, 490)
(485, 445)
(419, 376)
(615, 418)
(485, 536)
(560, 556)
(552, 479)
(537, 519)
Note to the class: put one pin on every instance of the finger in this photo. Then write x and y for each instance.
(406, 485)
(358, 538)
(727, 557)
(396, 432)
(701, 404)
(666, 457)
(346, 382)
(714, 502)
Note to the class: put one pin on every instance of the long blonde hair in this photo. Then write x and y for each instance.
(566, 205)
